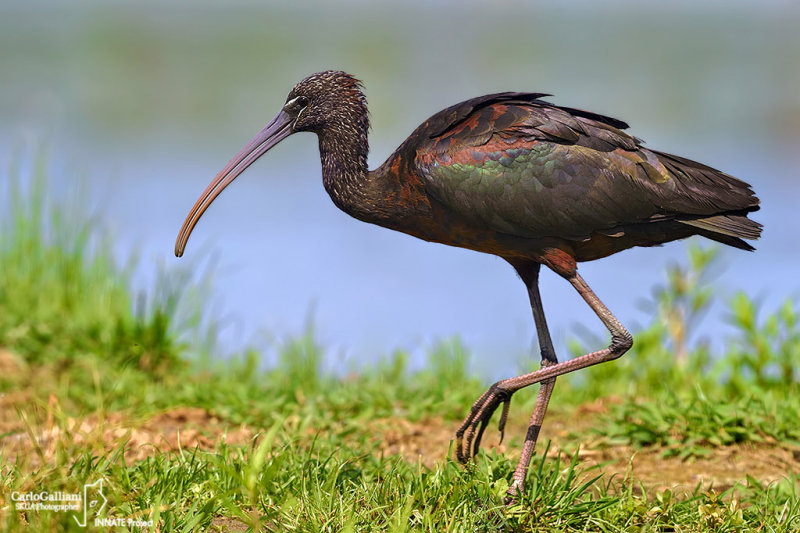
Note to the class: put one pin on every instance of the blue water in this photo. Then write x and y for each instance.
(718, 91)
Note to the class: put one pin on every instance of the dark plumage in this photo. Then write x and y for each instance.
(512, 175)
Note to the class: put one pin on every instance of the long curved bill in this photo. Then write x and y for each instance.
(278, 129)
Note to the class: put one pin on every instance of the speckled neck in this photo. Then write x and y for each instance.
(343, 151)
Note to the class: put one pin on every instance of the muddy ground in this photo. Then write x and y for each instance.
(427, 441)
(32, 433)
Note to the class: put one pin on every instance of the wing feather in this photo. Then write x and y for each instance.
(526, 167)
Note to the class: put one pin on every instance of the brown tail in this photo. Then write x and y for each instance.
(719, 202)
(728, 229)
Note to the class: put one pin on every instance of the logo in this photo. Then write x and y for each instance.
(90, 504)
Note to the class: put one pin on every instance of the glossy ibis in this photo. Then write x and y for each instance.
(515, 176)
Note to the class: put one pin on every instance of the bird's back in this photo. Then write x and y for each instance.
(522, 167)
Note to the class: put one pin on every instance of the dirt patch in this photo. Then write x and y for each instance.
(10, 363)
(429, 441)
(182, 428)
(11, 368)
(222, 523)
(722, 468)
(40, 436)
(426, 441)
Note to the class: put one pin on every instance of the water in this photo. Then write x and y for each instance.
(148, 102)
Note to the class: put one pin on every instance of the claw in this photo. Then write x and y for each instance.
(479, 416)
(477, 444)
(501, 427)
(511, 495)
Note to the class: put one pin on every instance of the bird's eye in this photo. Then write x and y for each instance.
(302, 100)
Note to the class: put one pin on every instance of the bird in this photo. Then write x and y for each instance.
(513, 175)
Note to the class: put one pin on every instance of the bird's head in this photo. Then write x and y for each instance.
(325, 101)
(329, 102)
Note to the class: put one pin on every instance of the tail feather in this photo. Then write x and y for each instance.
(707, 191)
(727, 229)
(733, 225)
(714, 203)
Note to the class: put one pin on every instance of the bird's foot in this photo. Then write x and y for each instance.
(469, 435)
(512, 493)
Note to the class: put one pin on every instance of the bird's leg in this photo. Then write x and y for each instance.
(531, 279)
(529, 273)
(500, 393)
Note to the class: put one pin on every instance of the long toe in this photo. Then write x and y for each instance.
(470, 433)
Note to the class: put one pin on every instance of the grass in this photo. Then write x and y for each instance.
(96, 385)
(693, 424)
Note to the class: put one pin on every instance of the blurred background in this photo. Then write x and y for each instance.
(137, 105)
